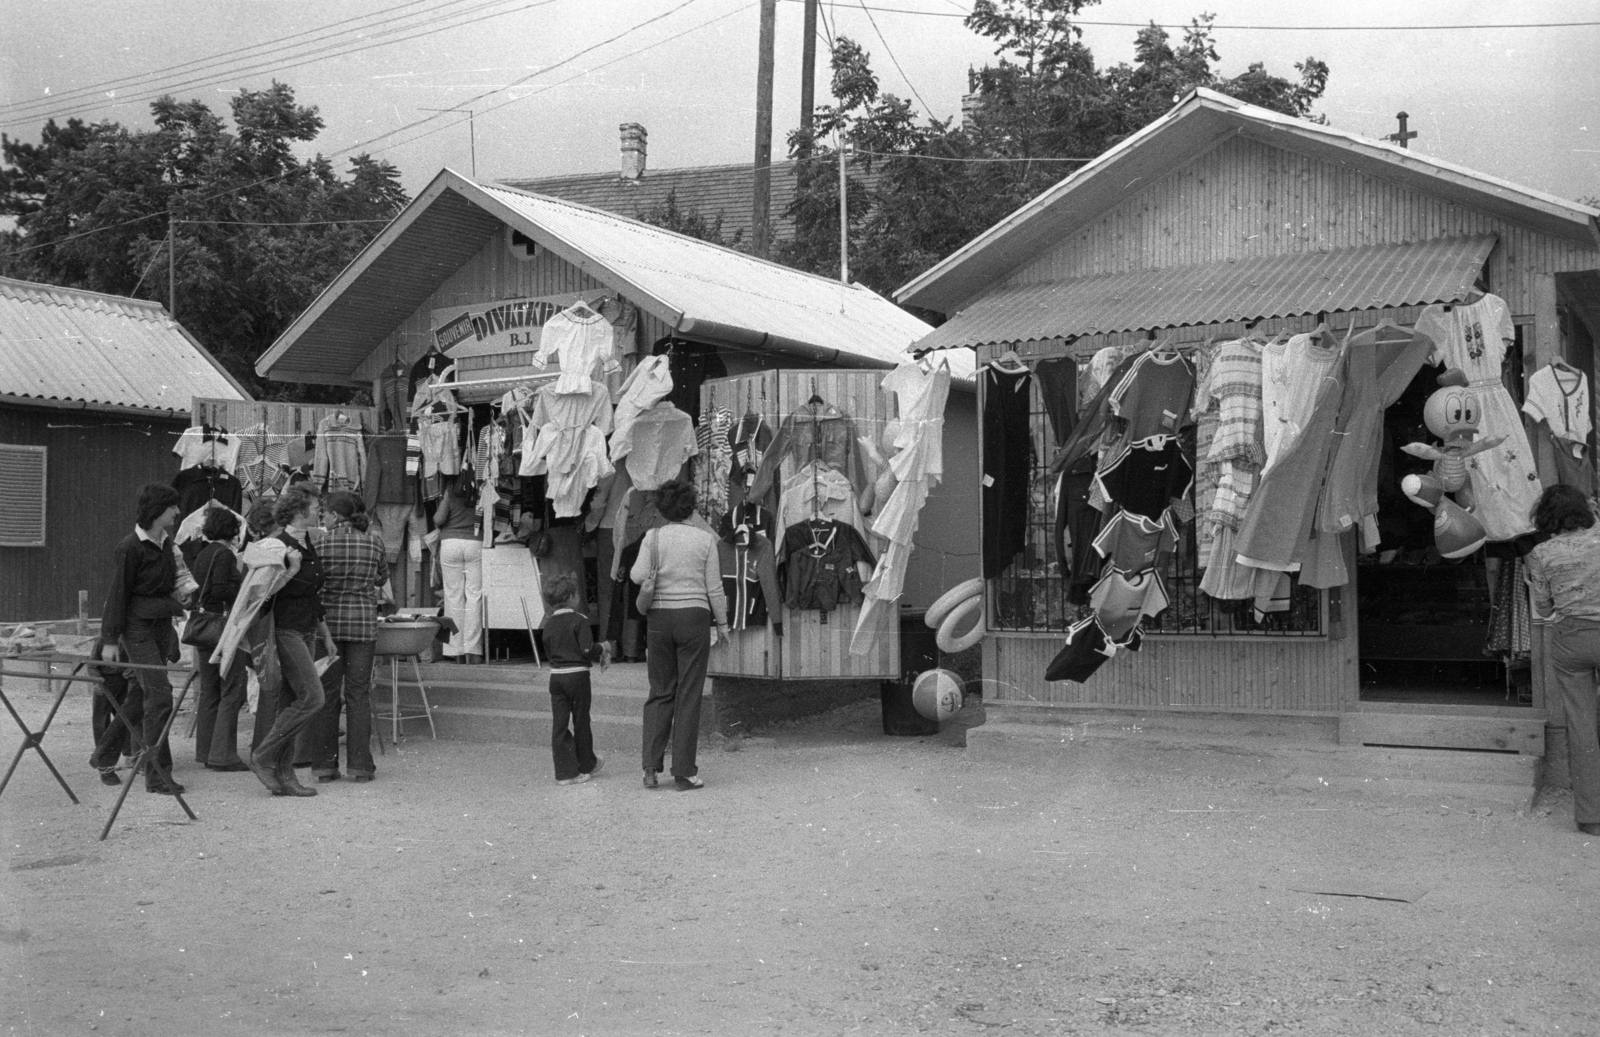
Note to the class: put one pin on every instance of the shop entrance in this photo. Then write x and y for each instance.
(1433, 630)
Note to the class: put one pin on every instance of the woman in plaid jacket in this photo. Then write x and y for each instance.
(354, 567)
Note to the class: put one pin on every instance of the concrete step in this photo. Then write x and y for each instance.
(1516, 730)
(1504, 779)
(1309, 727)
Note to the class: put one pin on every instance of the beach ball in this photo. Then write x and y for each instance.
(936, 694)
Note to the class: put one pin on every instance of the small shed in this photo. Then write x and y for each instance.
(94, 391)
(1218, 219)
(482, 267)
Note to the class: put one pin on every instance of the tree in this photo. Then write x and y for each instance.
(258, 232)
(690, 222)
(923, 189)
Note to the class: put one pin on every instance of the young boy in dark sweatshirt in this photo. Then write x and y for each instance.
(572, 650)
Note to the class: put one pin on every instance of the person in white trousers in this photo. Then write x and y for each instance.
(461, 565)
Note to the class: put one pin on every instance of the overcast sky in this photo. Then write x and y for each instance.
(1518, 103)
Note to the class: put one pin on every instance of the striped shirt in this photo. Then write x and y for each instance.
(353, 568)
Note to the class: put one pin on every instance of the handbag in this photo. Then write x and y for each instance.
(647, 588)
(204, 629)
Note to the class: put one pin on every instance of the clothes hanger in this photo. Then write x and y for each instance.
(1010, 363)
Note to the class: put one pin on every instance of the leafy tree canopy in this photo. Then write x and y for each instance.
(259, 232)
(690, 221)
(1043, 98)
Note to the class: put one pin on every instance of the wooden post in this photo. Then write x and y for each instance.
(83, 613)
(1546, 331)
(808, 73)
(761, 233)
(172, 267)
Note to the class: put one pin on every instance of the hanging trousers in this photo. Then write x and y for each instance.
(676, 655)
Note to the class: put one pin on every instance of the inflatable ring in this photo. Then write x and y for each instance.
(941, 608)
(947, 639)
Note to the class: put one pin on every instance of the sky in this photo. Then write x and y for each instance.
(1517, 103)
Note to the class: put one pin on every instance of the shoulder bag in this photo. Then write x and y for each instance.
(647, 589)
(204, 629)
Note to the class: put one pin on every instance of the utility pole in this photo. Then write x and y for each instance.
(808, 74)
(844, 218)
(761, 232)
(472, 132)
(172, 267)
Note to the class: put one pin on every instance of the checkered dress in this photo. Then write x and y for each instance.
(353, 567)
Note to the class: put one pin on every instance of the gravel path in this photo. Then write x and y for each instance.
(828, 880)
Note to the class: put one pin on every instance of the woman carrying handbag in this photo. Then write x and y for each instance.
(216, 726)
(680, 589)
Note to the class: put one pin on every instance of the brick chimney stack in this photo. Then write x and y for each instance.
(635, 142)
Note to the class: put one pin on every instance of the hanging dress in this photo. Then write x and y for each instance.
(1474, 339)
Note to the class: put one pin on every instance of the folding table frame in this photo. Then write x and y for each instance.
(86, 671)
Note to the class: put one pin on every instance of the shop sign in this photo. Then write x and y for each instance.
(502, 326)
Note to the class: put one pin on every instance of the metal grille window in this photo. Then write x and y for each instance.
(22, 487)
(1032, 595)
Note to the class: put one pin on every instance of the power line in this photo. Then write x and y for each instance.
(132, 81)
(952, 158)
(889, 51)
(391, 133)
(309, 57)
(1268, 28)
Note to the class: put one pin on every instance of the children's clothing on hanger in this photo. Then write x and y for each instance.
(207, 445)
(581, 340)
(823, 563)
(647, 385)
(341, 456)
(1087, 649)
(750, 580)
(661, 442)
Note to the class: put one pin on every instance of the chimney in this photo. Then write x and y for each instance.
(634, 145)
(971, 107)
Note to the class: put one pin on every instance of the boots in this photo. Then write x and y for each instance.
(285, 774)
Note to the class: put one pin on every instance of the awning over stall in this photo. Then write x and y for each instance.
(699, 290)
(1415, 273)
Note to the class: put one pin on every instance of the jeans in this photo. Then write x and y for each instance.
(676, 657)
(216, 723)
(1575, 655)
(300, 699)
(148, 702)
(346, 687)
(110, 736)
(461, 562)
(263, 645)
(571, 737)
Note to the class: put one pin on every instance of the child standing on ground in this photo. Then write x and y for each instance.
(572, 650)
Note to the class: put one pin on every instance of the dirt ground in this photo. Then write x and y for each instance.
(828, 880)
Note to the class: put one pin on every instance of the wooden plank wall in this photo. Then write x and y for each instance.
(95, 465)
(1271, 673)
(814, 645)
(491, 275)
(1245, 199)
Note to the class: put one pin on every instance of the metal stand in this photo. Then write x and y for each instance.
(394, 715)
(33, 739)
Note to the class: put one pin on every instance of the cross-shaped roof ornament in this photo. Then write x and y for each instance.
(1404, 134)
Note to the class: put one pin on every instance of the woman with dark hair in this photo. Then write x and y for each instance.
(216, 725)
(296, 617)
(688, 595)
(1564, 578)
(148, 584)
(354, 566)
(461, 565)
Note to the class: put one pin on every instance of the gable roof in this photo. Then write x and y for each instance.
(1194, 125)
(697, 289)
(101, 352)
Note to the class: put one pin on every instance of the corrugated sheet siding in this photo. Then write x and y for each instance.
(96, 465)
(1234, 673)
(1244, 199)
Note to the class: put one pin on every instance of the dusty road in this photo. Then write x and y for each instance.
(829, 881)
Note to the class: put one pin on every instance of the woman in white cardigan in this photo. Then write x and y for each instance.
(687, 597)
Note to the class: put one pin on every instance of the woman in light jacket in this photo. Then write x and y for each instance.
(688, 596)
(1564, 578)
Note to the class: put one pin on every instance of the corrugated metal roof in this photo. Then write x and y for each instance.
(107, 350)
(714, 192)
(1439, 270)
(1197, 123)
(696, 288)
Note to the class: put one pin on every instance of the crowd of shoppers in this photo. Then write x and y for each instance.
(311, 642)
